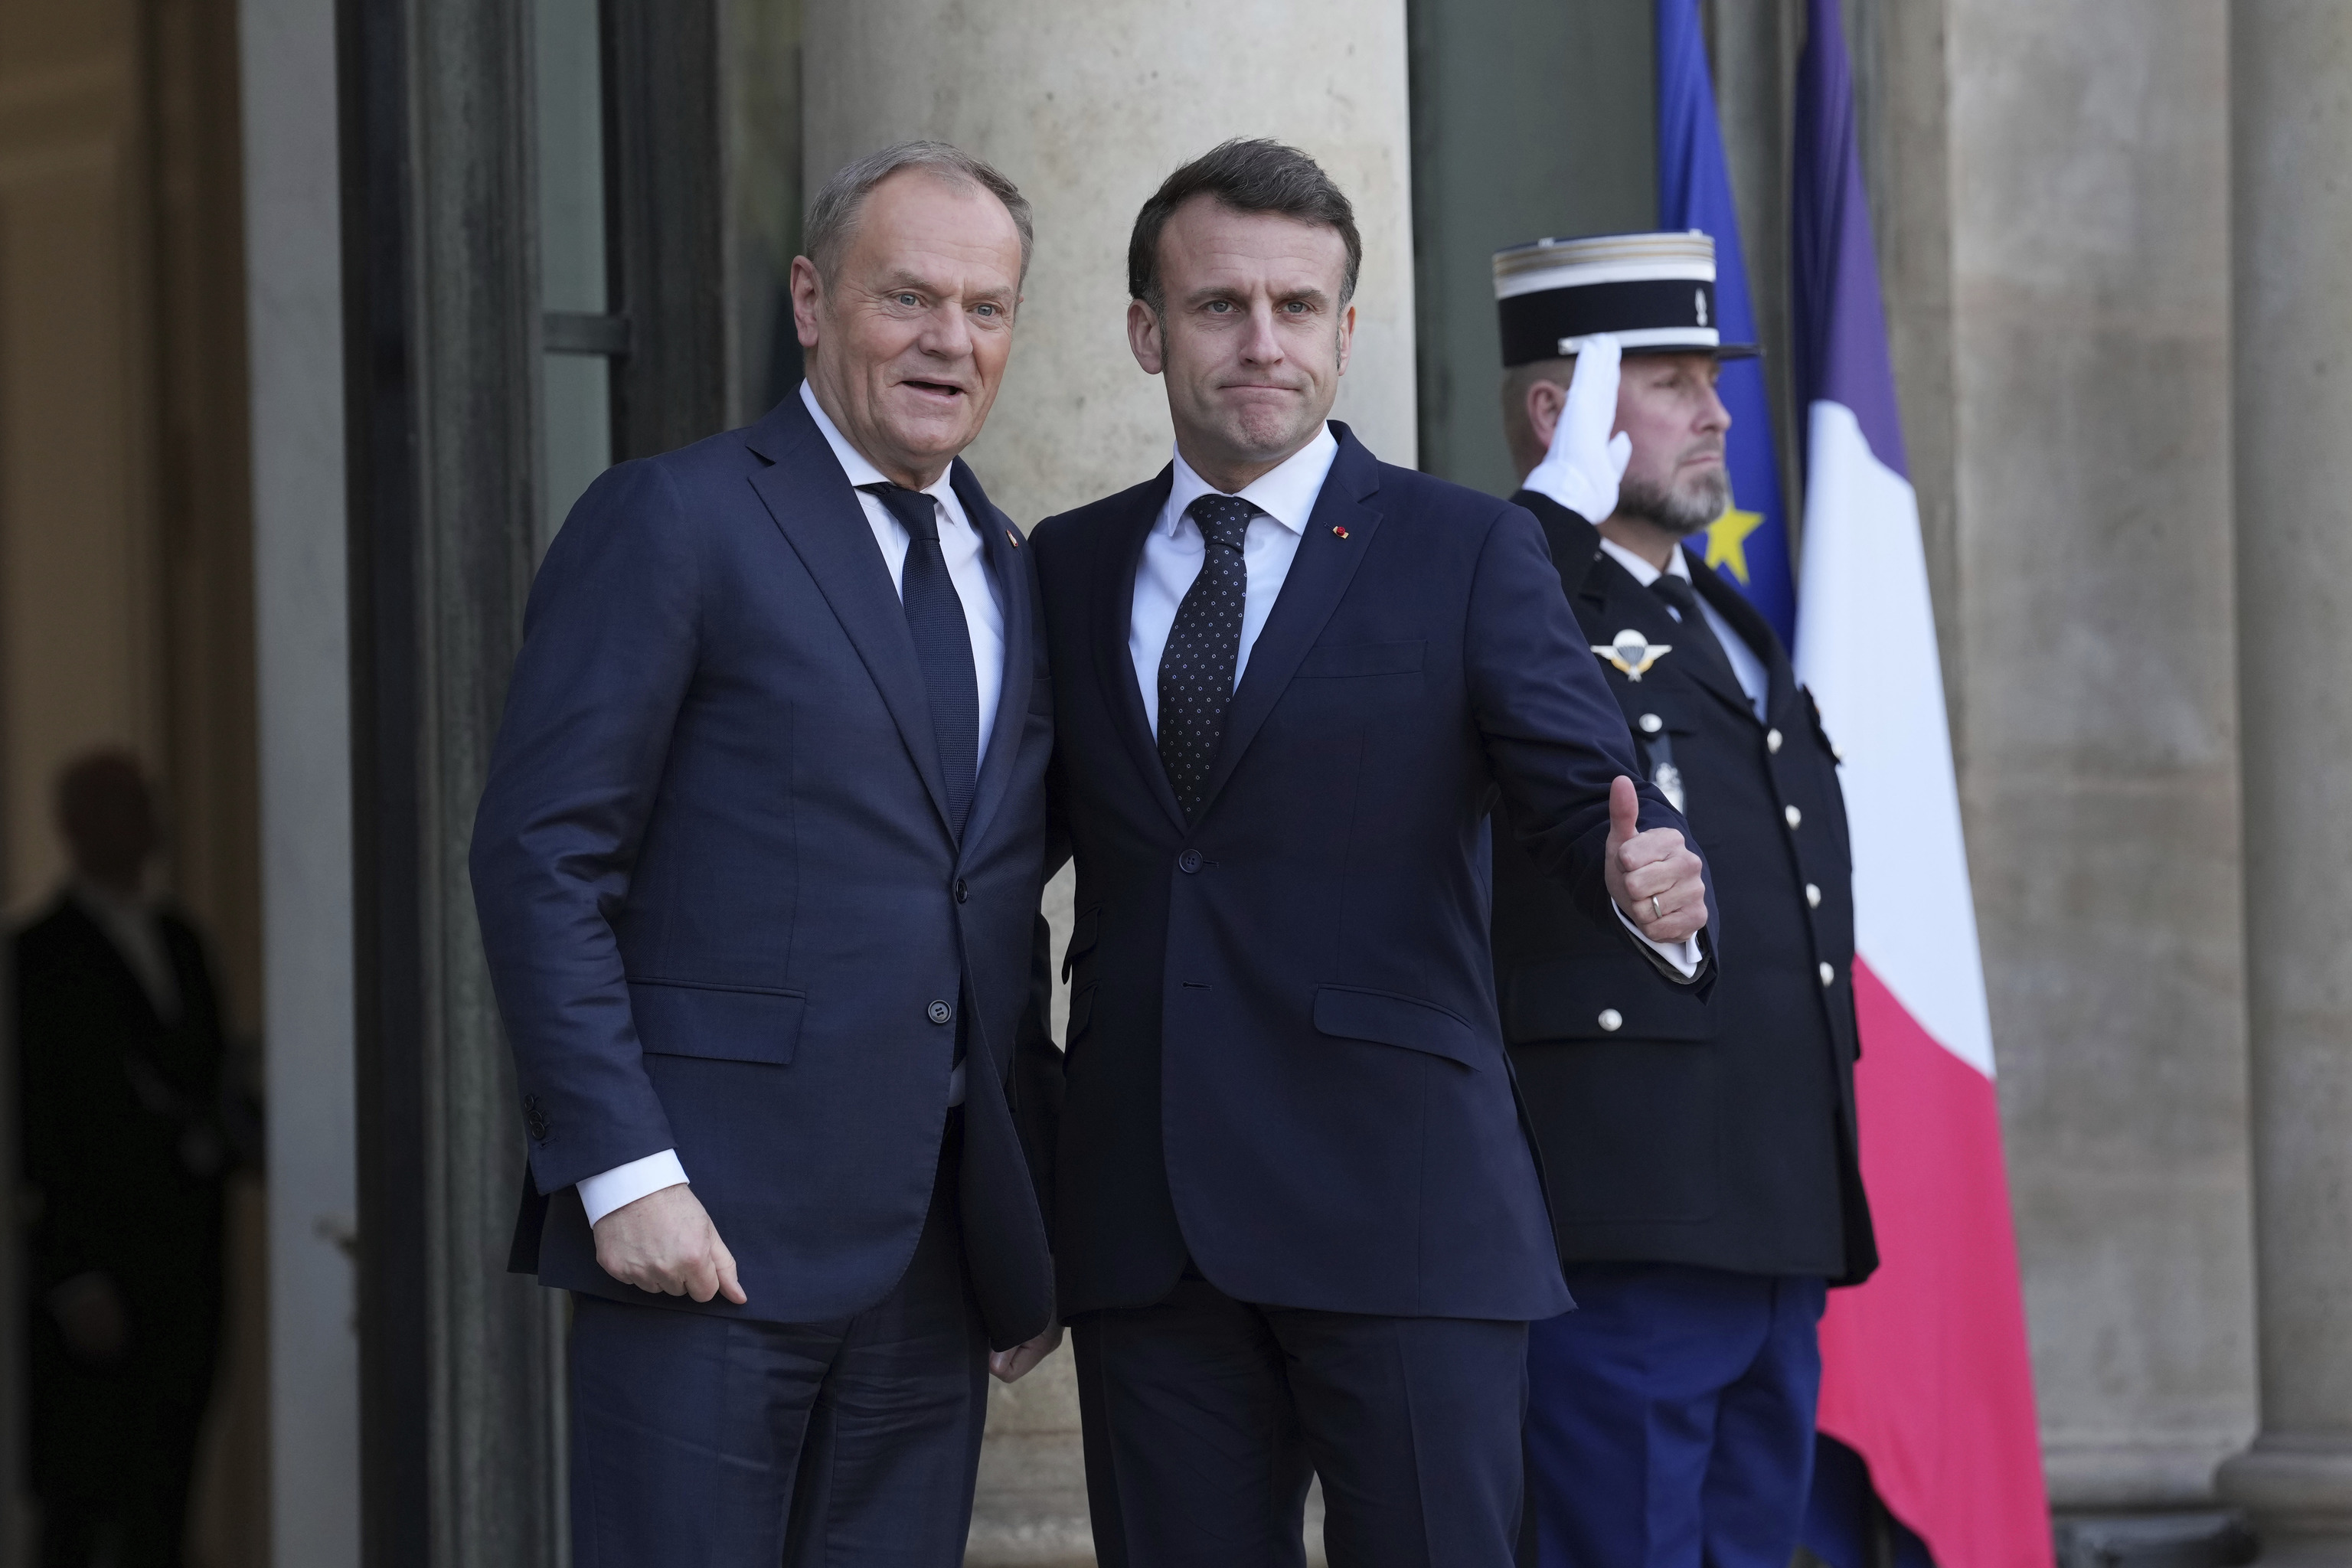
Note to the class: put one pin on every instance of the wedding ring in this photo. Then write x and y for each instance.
(1655, 913)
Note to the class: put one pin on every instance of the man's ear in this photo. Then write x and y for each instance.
(1144, 337)
(1545, 400)
(808, 298)
(1347, 335)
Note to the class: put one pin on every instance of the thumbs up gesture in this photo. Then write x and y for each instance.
(1655, 876)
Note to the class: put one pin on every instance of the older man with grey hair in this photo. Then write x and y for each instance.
(758, 867)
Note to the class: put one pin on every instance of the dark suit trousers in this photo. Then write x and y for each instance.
(727, 1442)
(1204, 1417)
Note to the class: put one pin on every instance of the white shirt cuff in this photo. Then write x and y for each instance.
(1683, 954)
(624, 1184)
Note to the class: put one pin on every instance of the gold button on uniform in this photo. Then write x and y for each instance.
(1829, 975)
(1793, 816)
(1772, 741)
(1812, 897)
(1610, 1020)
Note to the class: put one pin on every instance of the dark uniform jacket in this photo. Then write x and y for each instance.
(1709, 1128)
(1284, 1058)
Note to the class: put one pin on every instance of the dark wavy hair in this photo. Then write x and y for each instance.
(1249, 176)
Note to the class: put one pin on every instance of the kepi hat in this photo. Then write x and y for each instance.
(1654, 292)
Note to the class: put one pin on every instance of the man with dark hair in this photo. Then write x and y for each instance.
(1297, 1226)
(120, 1058)
(1700, 1153)
(758, 867)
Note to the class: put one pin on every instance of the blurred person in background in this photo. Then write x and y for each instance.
(121, 1055)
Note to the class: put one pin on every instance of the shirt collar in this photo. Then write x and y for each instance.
(1643, 572)
(1284, 493)
(854, 462)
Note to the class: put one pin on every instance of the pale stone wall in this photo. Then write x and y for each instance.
(2097, 710)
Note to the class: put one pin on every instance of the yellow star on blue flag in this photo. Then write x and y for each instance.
(1727, 539)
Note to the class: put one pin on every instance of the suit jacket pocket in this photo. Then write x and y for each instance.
(1602, 996)
(722, 1022)
(1360, 659)
(1391, 1020)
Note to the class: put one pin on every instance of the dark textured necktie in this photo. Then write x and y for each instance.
(942, 644)
(1696, 634)
(1204, 645)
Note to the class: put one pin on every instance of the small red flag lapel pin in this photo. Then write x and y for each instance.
(1342, 531)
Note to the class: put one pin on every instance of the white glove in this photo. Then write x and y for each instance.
(1586, 461)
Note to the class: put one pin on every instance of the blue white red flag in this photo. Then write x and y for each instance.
(1924, 1369)
(1749, 542)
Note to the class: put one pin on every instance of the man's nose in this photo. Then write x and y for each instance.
(1262, 345)
(1714, 418)
(946, 334)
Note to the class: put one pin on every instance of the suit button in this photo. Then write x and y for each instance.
(1829, 975)
(534, 1120)
(1610, 1020)
(1792, 816)
(962, 892)
(1651, 723)
(939, 1013)
(1772, 741)
(1189, 861)
(1812, 897)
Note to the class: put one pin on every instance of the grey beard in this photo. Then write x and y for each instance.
(1678, 511)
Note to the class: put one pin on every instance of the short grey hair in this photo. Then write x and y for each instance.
(832, 215)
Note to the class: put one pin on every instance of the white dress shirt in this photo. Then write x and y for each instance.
(1754, 680)
(1172, 553)
(983, 618)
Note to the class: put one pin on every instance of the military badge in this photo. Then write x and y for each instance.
(1632, 653)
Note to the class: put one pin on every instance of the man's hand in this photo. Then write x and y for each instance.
(664, 1242)
(1586, 461)
(1653, 876)
(1012, 1365)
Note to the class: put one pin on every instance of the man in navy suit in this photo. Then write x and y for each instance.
(1298, 1226)
(758, 869)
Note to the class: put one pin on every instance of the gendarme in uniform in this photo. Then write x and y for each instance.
(1698, 1148)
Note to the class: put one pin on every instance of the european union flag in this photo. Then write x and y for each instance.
(1749, 542)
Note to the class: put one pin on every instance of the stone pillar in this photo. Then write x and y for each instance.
(1087, 105)
(2291, 210)
(2095, 719)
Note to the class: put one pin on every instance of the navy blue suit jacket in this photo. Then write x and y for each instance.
(1282, 1052)
(720, 897)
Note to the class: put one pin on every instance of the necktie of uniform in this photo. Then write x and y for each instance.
(1696, 634)
(942, 644)
(1205, 646)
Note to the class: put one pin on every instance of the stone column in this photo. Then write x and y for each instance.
(2095, 714)
(1087, 105)
(2291, 213)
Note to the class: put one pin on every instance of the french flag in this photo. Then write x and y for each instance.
(1926, 1372)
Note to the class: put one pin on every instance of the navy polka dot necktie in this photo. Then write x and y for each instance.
(942, 644)
(1196, 668)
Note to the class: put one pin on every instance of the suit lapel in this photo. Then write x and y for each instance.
(1019, 610)
(810, 499)
(1338, 533)
(1117, 557)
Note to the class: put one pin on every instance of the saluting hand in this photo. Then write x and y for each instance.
(1653, 876)
(664, 1242)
